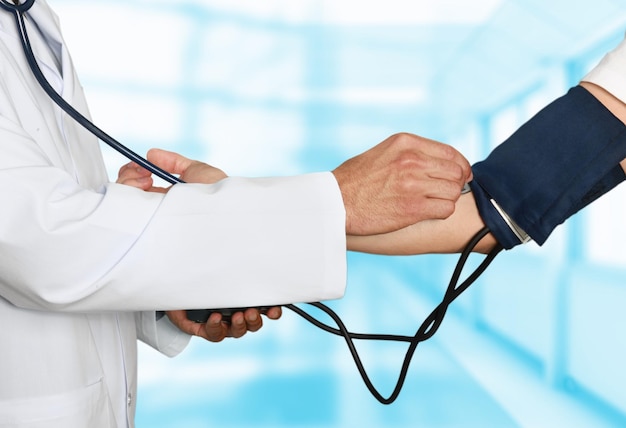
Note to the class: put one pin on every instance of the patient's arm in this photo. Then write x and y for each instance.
(430, 236)
(452, 234)
(616, 106)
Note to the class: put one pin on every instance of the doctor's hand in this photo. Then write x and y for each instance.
(192, 171)
(134, 175)
(188, 170)
(401, 181)
(215, 330)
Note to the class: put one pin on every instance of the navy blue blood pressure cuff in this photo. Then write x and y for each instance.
(557, 163)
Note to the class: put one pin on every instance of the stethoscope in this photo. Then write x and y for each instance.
(428, 328)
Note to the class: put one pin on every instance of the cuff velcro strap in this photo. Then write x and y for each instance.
(557, 163)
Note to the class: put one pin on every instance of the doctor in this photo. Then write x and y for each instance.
(85, 263)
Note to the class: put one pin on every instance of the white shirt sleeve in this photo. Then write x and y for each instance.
(610, 73)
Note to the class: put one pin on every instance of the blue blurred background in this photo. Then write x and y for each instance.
(279, 87)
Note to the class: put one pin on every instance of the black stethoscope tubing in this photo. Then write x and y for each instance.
(426, 330)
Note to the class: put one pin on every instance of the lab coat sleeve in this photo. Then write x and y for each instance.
(240, 242)
(610, 73)
(160, 334)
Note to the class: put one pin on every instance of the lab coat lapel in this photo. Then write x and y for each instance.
(83, 146)
(43, 115)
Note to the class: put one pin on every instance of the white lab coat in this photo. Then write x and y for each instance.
(80, 258)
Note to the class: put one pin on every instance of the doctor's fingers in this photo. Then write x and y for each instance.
(190, 171)
(171, 162)
(216, 330)
(133, 175)
(393, 198)
(243, 322)
(180, 320)
(240, 323)
(131, 170)
(406, 148)
(447, 162)
(425, 198)
(202, 173)
(443, 169)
